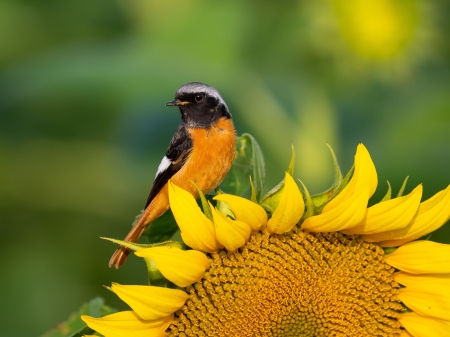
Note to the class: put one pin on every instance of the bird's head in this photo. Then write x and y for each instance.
(200, 104)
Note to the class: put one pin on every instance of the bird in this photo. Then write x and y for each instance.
(201, 153)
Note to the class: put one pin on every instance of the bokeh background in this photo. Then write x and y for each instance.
(83, 124)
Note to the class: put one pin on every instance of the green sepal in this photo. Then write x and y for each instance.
(133, 246)
(271, 200)
(321, 199)
(310, 207)
(108, 288)
(249, 161)
(388, 193)
(155, 277)
(402, 189)
(223, 207)
(389, 250)
(138, 246)
(74, 326)
(346, 180)
(290, 169)
(205, 205)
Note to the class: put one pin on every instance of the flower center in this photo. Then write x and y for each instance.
(294, 284)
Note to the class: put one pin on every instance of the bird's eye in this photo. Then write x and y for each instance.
(198, 97)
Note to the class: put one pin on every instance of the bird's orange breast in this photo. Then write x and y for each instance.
(212, 155)
(211, 158)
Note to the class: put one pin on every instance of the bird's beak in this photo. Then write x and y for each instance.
(176, 102)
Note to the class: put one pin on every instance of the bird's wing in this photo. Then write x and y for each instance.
(178, 152)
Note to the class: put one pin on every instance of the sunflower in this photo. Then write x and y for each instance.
(326, 265)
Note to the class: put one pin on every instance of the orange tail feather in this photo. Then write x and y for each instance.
(120, 255)
(157, 208)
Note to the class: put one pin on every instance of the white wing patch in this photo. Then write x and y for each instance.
(165, 163)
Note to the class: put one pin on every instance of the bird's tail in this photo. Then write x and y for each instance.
(121, 254)
(157, 207)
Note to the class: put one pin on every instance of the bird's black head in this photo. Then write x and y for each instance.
(200, 104)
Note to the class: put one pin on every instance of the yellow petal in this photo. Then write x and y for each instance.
(245, 210)
(389, 215)
(350, 212)
(365, 176)
(431, 215)
(348, 208)
(196, 229)
(151, 303)
(182, 267)
(421, 257)
(127, 323)
(407, 279)
(430, 298)
(420, 326)
(405, 333)
(289, 210)
(233, 234)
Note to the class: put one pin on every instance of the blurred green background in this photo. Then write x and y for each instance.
(83, 124)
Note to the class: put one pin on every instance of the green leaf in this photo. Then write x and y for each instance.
(249, 162)
(388, 193)
(253, 195)
(74, 326)
(402, 189)
(162, 229)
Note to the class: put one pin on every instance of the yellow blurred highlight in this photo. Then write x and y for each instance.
(377, 29)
